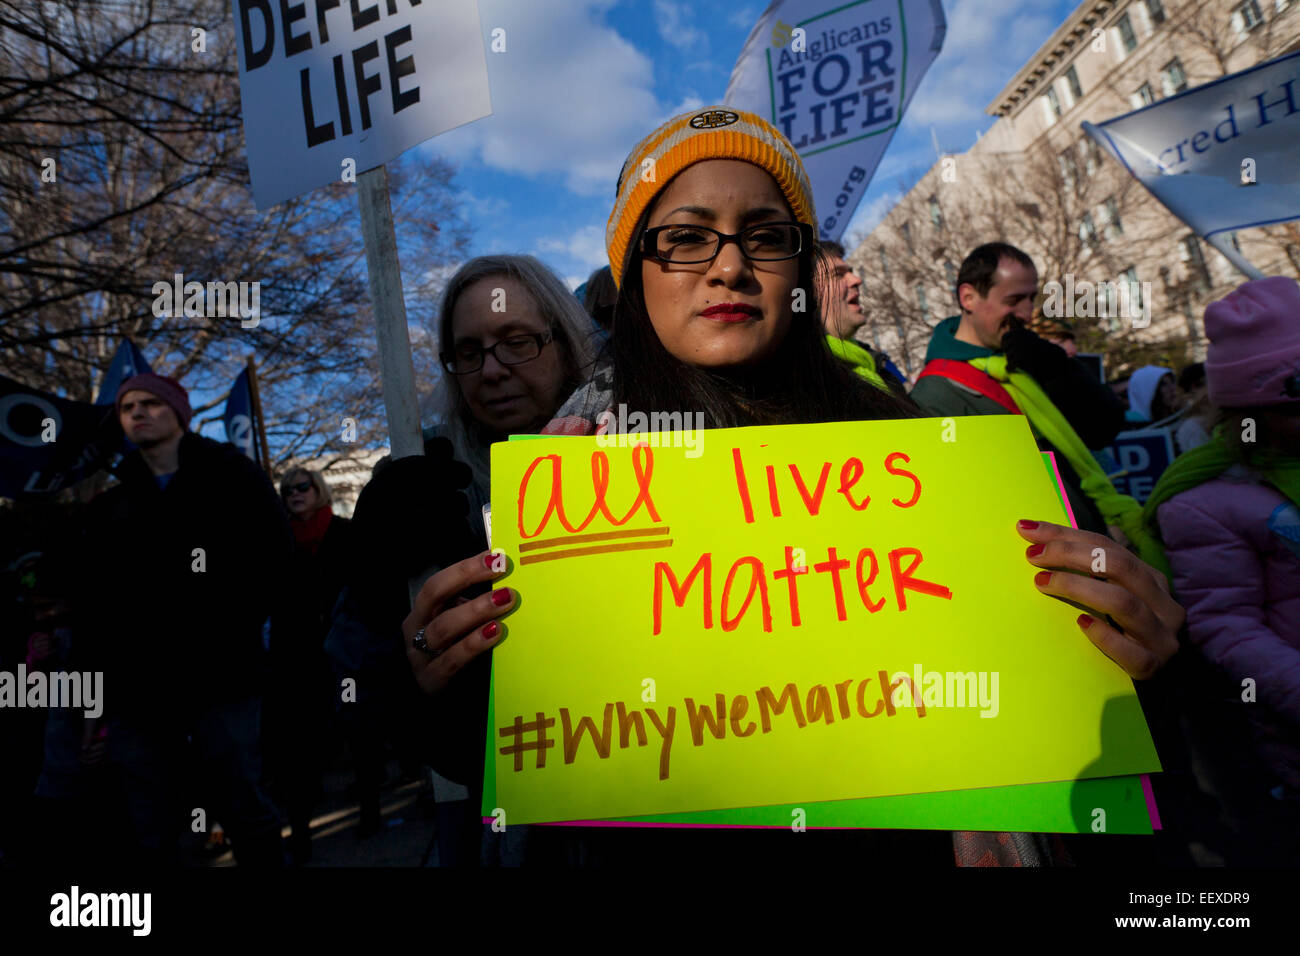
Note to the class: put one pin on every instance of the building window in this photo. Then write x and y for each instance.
(1172, 78)
(1190, 251)
(1069, 168)
(950, 272)
(1053, 104)
(1091, 154)
(884, 263)
(1087, 229)
(1135, 288)
(1072, 80)
(922, 301)
(1113, 226)
(1126, 35)
(1247, 17)
(936, 214)
(906, 230)
(1143, 96)
(1156, 11)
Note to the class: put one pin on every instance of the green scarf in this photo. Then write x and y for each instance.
(859, 358)
(1206, 463)
(1116, 508)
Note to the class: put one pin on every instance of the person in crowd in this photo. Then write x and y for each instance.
(507, 373)
(190, 548)
(1193, 431)
(842, 316)
(707, 258)
(1152, 395)
(986, 361)
(300, 710)
(1228, 514)
(598, 295)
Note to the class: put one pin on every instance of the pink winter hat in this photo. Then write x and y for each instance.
(1254, 334)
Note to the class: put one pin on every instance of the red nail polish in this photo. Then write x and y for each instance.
(1034, 550)
(1085, 621)
(501, 597)
(487, 560)
(1042, 577)
(1026, 525)
(490, 630)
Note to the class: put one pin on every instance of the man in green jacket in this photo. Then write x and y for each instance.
(995, 289)
(842, 315)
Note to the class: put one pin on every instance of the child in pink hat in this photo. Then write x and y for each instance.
(1229, 515)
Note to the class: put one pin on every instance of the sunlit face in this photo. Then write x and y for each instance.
(985, 319)
(841, 308)
(146, 419)
(731, 312)
(506, 398)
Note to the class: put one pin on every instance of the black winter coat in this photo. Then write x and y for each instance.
(175, 629)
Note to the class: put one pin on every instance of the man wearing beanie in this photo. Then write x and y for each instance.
(1229, 514)
(187, 549)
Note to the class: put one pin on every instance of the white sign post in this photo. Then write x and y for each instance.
(333, 89)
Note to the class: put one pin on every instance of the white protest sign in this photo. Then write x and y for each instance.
(836, 77)
(325, 82)
(1222, 156)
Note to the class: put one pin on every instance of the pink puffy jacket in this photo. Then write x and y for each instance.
(1240, 584)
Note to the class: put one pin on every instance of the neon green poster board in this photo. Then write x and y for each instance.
(932, 583)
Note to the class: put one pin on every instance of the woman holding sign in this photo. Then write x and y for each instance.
(712, 244)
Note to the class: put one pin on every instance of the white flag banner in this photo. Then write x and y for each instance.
(836, 78)
(1223, 156)
(331, 89)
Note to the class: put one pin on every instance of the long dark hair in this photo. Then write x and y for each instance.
(802, 382)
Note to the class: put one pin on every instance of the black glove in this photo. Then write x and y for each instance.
(1027, 352)
(412, 513)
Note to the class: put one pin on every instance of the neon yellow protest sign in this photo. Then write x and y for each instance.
(783, 614)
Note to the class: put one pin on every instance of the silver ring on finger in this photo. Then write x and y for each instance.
(421, 644)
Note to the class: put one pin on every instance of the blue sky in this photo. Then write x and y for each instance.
(581, 81)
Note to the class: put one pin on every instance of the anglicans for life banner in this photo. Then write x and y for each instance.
(1223, 156)
(836, 78)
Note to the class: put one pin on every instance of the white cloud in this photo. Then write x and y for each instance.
(868, 216)
(671, 19)
(584, 249)
(744, 19)
(570, 98)
(964, 79)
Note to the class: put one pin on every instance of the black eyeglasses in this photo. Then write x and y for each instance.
(301, 488)
(512, 350)
(766, 242)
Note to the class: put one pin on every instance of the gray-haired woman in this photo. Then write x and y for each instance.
(515, 344)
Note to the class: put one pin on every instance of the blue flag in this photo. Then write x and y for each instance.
(48, 443)
(238, 418)
(127, 362)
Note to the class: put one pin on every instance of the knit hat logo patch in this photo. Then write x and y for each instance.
(712, 119)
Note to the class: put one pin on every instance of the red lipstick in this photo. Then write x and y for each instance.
(730, 312)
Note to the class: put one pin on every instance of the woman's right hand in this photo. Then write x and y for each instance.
(455, 633)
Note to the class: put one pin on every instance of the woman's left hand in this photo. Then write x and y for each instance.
(1094, 571)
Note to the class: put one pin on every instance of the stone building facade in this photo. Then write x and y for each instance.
(1036, 180)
